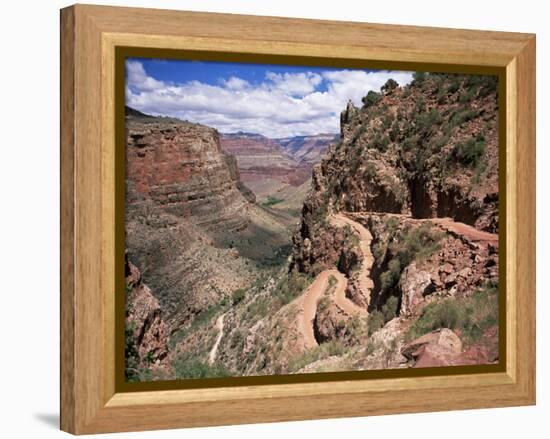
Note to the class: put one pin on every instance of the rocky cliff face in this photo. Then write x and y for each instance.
(180, 166)
(429, 149)
(146, 330)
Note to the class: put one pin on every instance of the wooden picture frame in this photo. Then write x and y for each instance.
(91, 402)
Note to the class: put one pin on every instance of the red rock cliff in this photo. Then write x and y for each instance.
(181, 167)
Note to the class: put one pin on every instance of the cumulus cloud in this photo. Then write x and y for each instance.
(235, 83)
(297, 84)
(137, 77)
(283, 104)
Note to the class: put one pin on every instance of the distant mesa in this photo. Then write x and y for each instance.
(129, 111)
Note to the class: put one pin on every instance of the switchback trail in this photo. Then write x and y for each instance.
(365, 238)
(307, 302)
(214, 350)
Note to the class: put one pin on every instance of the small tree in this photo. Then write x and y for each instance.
(390, 85)
(419, 77)
(370, 99)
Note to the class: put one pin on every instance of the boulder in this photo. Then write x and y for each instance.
(444, 338)
(415, 284)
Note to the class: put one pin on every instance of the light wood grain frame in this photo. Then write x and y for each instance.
(89, 36)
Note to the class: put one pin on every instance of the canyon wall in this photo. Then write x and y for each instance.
(260, 158)
(307, 149)
(181, 167)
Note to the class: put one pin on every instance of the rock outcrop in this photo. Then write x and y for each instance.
(144, 320)
(444, 348)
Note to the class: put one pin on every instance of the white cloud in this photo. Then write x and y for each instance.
(296, 84)
(235, 83)
(137, 77)
(282, 105)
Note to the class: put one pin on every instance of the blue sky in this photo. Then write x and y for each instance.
(273, 100)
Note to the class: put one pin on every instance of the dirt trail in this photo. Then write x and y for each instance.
(466, 231)
(307, 303)
(365, 238)
(214, 350)
(456, 228)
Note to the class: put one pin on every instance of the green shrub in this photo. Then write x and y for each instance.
(258, 309)
(420, 105)
(359, 131)
(237, 339)
(370, 348)
(185, 368)
(394, 131)
(489, 85)
(390, 277)
(378, 251)
(419, 78)
(389, 309)
(444, 314)
(132, 371)
(238, 296)
(320, 352)
(370, 170)
(379, 142)
(391, 224)
(271, 201)
(417, 243)
(438, 142)
(390, 85)
(466, 96)
(470, 152)
(375, 322)
(426, 122)
(199, 320)
(291, 286)
(461, 117)
(454, 85)
(471, 315)
(414, 244)
(370, 99)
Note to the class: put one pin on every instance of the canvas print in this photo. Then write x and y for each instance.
(296, 219)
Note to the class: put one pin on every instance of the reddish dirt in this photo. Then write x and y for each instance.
(365, 238)
(466, 231)
(308, 301)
